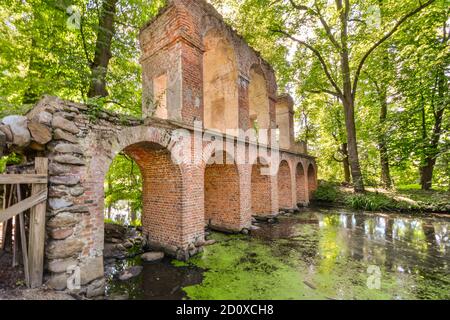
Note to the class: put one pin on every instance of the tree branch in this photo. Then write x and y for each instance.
(319, 56)
(335, 94)
(316, 13)
(383, 39)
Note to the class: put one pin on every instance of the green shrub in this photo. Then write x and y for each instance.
(326, 192)
(111, 221)
(370, 202)
(136, 223)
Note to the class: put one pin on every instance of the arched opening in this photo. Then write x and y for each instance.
(312, 180)
(284, 186)
(222, 196)
(261, 189)
(258, 99)
(143, 189)
(220, 91)
(300, 182)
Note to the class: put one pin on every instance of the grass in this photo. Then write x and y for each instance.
(403, 198)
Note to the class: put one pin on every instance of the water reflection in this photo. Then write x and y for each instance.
(318, 254)
(413, 252)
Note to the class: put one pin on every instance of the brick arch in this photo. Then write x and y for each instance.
(312, 179)
(222, 196)
(284, 185)
(258, 96)
(163, 183)
(162, 193)
(220, 82)
(261, 188)
(300, 183)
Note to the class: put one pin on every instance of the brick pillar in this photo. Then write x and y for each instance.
(244, 108)
(245, 178)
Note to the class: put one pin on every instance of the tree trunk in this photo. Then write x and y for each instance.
(32, 95)
(346, 164)
(432, 149)
(348, 101)
(353, 156)
(382, 91)
(99, 66)
(386, 180)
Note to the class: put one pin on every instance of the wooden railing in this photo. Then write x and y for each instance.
(33, 256)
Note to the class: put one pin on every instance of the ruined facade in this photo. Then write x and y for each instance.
(196, 69)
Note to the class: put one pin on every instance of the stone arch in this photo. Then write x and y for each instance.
(284, 186)
(222, 196)
(163, 184)
(220, 82)
(300, 183)
(261, 188)
(312, 180)
(258, 98)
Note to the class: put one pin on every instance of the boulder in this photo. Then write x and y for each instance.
(40, 133)
(19, 129)
(130, 273)
(57, 169)
(128, 244)
(44, 117)
(61, 234)
(59, 203)
(63, 135)
(36, 146)
(77, 191)
(68, 148)
(65, 180)
(64, 124)
(91, 270)
(58, 281)
(96, 288)
(63, 220)
(112, 251)
(7, 131)
(69, 159)
(152, 256)
(61, 265)
(114, 231)
(210, 242)
(2, 142)
(64, 248)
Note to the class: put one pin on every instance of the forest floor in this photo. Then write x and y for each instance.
(402, 199)
(12, 284)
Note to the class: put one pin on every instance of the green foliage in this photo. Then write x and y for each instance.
(112, 221)
(123, 185)
(43, 54)
(136, 223)
(10, 159)
(326, 192)
(370, 202)
(417, 55)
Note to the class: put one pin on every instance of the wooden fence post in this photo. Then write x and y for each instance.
(37, 229)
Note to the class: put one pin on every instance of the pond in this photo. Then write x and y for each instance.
(317, 254)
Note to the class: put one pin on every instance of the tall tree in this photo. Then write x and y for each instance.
(340, 35)
(105, 33)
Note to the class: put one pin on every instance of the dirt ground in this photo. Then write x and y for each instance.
(12, 284)
(10, 278)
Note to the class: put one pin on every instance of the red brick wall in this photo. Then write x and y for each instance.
(222, 197)
(312, 180)
(261, 192)
(162, 193)
(300, 182)
(284, 186)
